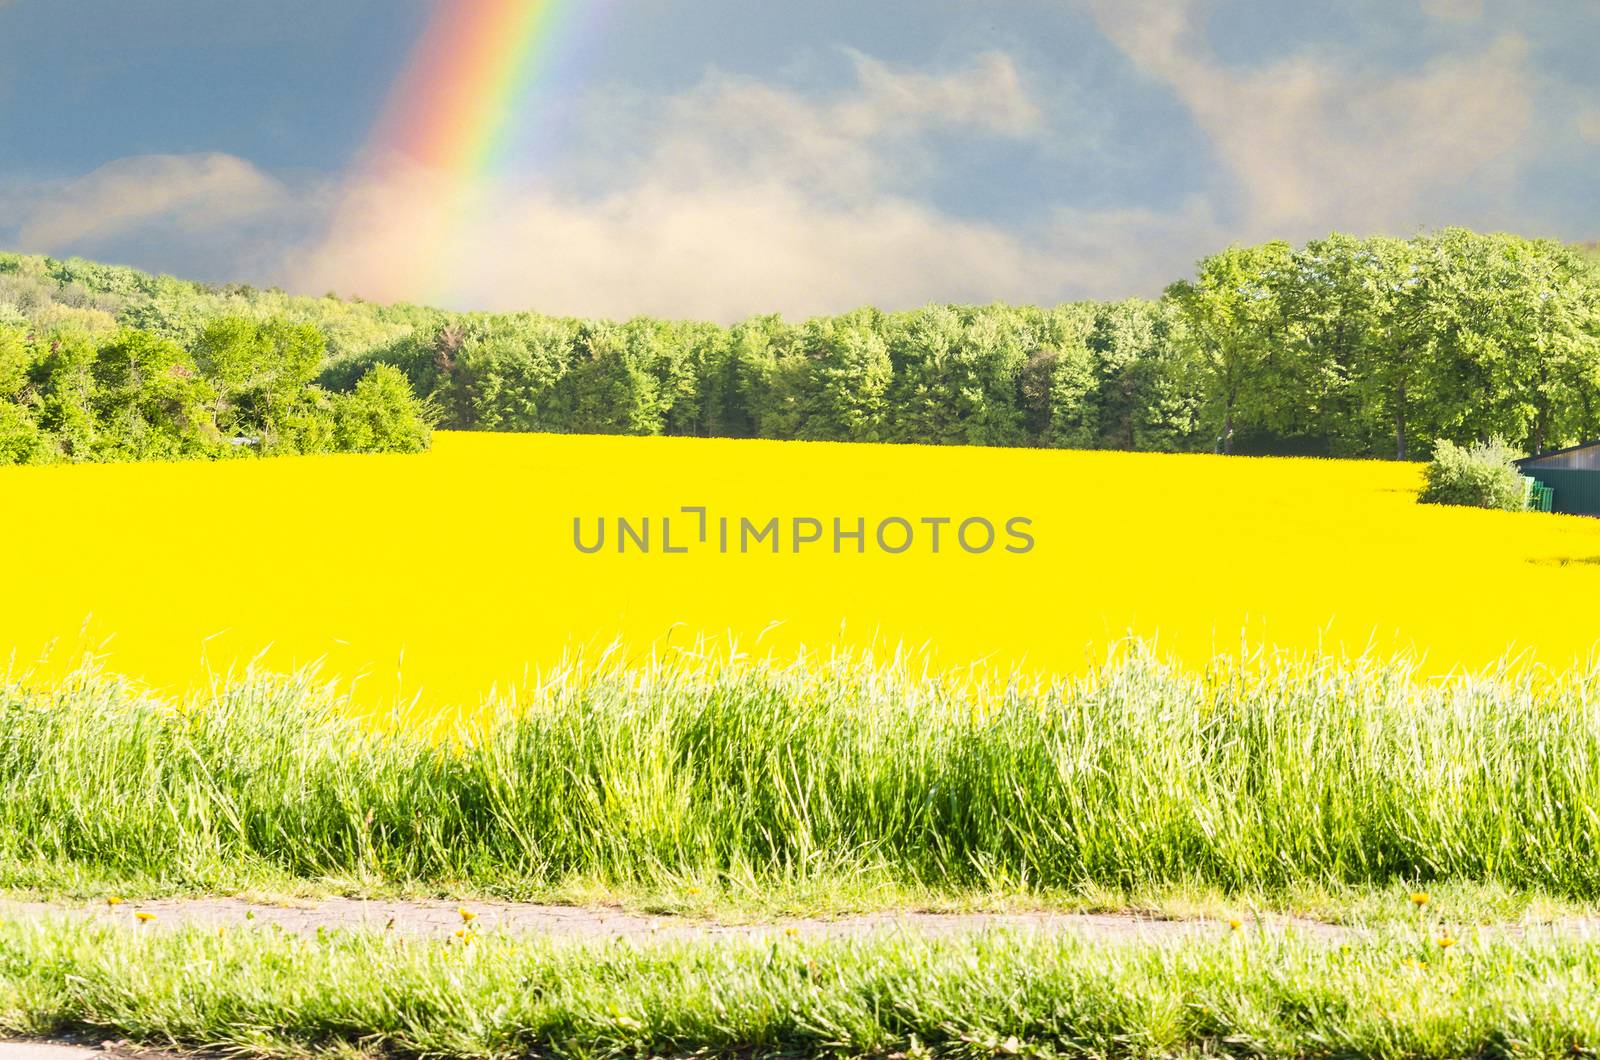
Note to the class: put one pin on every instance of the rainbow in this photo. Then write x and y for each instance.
(467, 89)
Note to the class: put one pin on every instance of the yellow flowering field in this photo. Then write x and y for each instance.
(445, 576)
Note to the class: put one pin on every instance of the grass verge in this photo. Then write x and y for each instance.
(1241, 993)
(826, 782)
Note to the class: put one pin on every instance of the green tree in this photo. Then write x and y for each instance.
(770, 375)
(957, 375)
(21, 440)
(63, 374)
(381, 415)
(504, 379)
(1234, 318)
(847, 382)
(150, 401)
(261, 373)
(612, 387)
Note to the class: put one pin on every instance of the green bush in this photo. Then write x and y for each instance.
(381, 415)
(21, 441)
(1478, 476)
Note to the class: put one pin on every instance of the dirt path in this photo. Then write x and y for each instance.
(34, 1050)
(442, 919)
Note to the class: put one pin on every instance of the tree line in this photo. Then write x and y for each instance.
(243, 387)
(1345, 346)
(1078, 375)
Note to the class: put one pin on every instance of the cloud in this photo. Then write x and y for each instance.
(851, 143)
(738, 196)
(744, 198)
(721, 253)
(739, 248)
(1312, 142)
(734, 197)
(197, 194)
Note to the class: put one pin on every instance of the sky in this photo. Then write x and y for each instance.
(722, 158)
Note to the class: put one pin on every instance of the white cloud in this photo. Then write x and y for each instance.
(852, 143)
(1314, 143)
(194, 193)
(721, 253)
(746, 198)
(739, 247)
(738, 196)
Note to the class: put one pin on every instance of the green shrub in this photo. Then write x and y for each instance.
(1479, 476)
(381, 415)
(21, 441)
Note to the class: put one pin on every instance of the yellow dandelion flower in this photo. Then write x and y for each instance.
(113, 900)
(1234, 923)
(1419, 898)
(694, 890)
(144, 918)
(791, 932)
(1445, 941)
(467, 915)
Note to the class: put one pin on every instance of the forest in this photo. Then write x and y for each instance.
(1345, 346)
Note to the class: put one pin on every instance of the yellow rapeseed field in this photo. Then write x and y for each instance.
(447, 575)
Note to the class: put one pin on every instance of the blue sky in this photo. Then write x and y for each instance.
(724, 157)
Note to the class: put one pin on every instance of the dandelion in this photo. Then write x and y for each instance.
(467, 915)
(694, 890)
(113, 901)
(791, 932)
(144, 918)
(1234, 923)
(1445, 941)
(1419, 898)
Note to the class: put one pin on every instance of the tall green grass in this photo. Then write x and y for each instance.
(993, 995)
(1142, 774)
